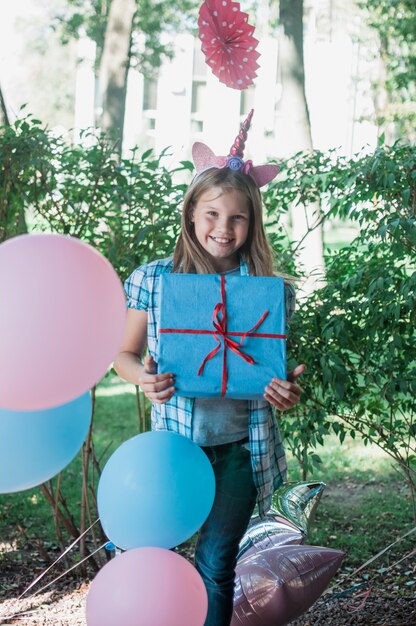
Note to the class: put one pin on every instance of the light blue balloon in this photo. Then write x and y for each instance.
(156, 490)
(36, 445)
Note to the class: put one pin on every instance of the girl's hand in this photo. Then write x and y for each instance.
(284, 394)
(157, 387)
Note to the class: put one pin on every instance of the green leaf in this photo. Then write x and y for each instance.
(316, 459)
(406, 197)
(340, 389)
(146, 154)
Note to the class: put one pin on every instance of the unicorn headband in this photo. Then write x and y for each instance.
(204, 158)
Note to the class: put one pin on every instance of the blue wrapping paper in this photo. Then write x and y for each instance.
(187, 306)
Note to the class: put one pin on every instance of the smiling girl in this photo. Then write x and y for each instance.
(222, 232)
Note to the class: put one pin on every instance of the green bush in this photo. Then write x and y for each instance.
(127, 209)
(356, 333)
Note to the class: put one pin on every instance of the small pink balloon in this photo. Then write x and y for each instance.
(62, 316)
(147, 587)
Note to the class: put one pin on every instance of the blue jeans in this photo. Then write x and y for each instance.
(219, 537)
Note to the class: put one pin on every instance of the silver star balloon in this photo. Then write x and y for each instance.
(271, 531)
(297, 502)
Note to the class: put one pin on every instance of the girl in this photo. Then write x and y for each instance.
(222, 232)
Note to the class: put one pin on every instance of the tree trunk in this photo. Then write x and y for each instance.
(114, 66)
(382, 97)
(295, 135)
(294, 108)
(4, 119)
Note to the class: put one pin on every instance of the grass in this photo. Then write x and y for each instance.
(365, 506)
(115, 420)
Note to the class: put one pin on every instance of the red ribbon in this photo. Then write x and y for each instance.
(219, 321)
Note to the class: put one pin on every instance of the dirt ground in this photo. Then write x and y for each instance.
(391, 601)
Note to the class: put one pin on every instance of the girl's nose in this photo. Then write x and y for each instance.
(225, 224)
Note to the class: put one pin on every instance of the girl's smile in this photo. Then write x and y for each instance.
(221, 221)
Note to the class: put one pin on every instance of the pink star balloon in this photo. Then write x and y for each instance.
(276, 585)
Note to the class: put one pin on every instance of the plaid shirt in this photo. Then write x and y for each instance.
(267, 454)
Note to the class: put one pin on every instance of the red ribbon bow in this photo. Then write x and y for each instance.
(219, 320)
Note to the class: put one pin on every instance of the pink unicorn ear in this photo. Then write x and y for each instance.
(204, 157)
(263, 174)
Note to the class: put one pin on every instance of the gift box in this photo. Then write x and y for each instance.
(222, 335)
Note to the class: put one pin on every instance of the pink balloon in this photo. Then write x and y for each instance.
(276, 585)
(62, 315)
(147, 587)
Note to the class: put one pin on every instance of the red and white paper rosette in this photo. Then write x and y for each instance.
(228, 42)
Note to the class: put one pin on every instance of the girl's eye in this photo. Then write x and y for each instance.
(212, 213)
(239, 217)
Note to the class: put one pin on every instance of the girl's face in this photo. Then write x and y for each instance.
(221, 221)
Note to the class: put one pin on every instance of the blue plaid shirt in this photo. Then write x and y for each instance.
(267, 453)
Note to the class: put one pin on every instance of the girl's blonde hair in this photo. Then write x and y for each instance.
(189, 256)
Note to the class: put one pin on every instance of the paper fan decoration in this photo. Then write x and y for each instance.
(228, 42)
